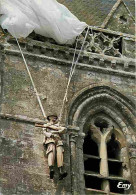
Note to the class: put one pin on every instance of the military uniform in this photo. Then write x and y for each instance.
(54, 144)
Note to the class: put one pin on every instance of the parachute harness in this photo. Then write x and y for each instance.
(72, 70)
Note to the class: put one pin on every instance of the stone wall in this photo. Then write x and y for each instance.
(1, 72)
(24, 168)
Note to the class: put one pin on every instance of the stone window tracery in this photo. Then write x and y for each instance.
(103, 150)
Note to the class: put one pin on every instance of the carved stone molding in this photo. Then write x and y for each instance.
(132, 150)
(73, 133)
(101, 43)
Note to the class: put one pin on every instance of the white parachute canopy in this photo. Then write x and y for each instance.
(46, 17)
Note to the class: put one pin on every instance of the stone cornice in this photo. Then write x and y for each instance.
(98, 58)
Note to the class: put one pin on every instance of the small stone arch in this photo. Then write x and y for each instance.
(94, 99)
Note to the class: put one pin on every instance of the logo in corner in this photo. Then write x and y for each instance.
(125, 186)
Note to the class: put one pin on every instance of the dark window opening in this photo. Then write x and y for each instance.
(115, 168)
(92, 165)
(89, 146)
(123, 20)
(113, 148)
(93, 182)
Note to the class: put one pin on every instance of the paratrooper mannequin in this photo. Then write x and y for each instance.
(54, 144)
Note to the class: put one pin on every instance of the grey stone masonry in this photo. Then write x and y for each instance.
(103, 85)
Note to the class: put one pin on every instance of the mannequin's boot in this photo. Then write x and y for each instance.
(51, 172)
(62, 174)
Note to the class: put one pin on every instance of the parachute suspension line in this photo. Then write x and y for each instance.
(72, 72)
(70, 76)
(74, 57)
(35, 90)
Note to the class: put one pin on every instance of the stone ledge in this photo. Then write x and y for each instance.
(26, 119)
(94, 191)
(66, 53)
(118, 178)
(68, 63)
(43, 47)
(21, 118)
